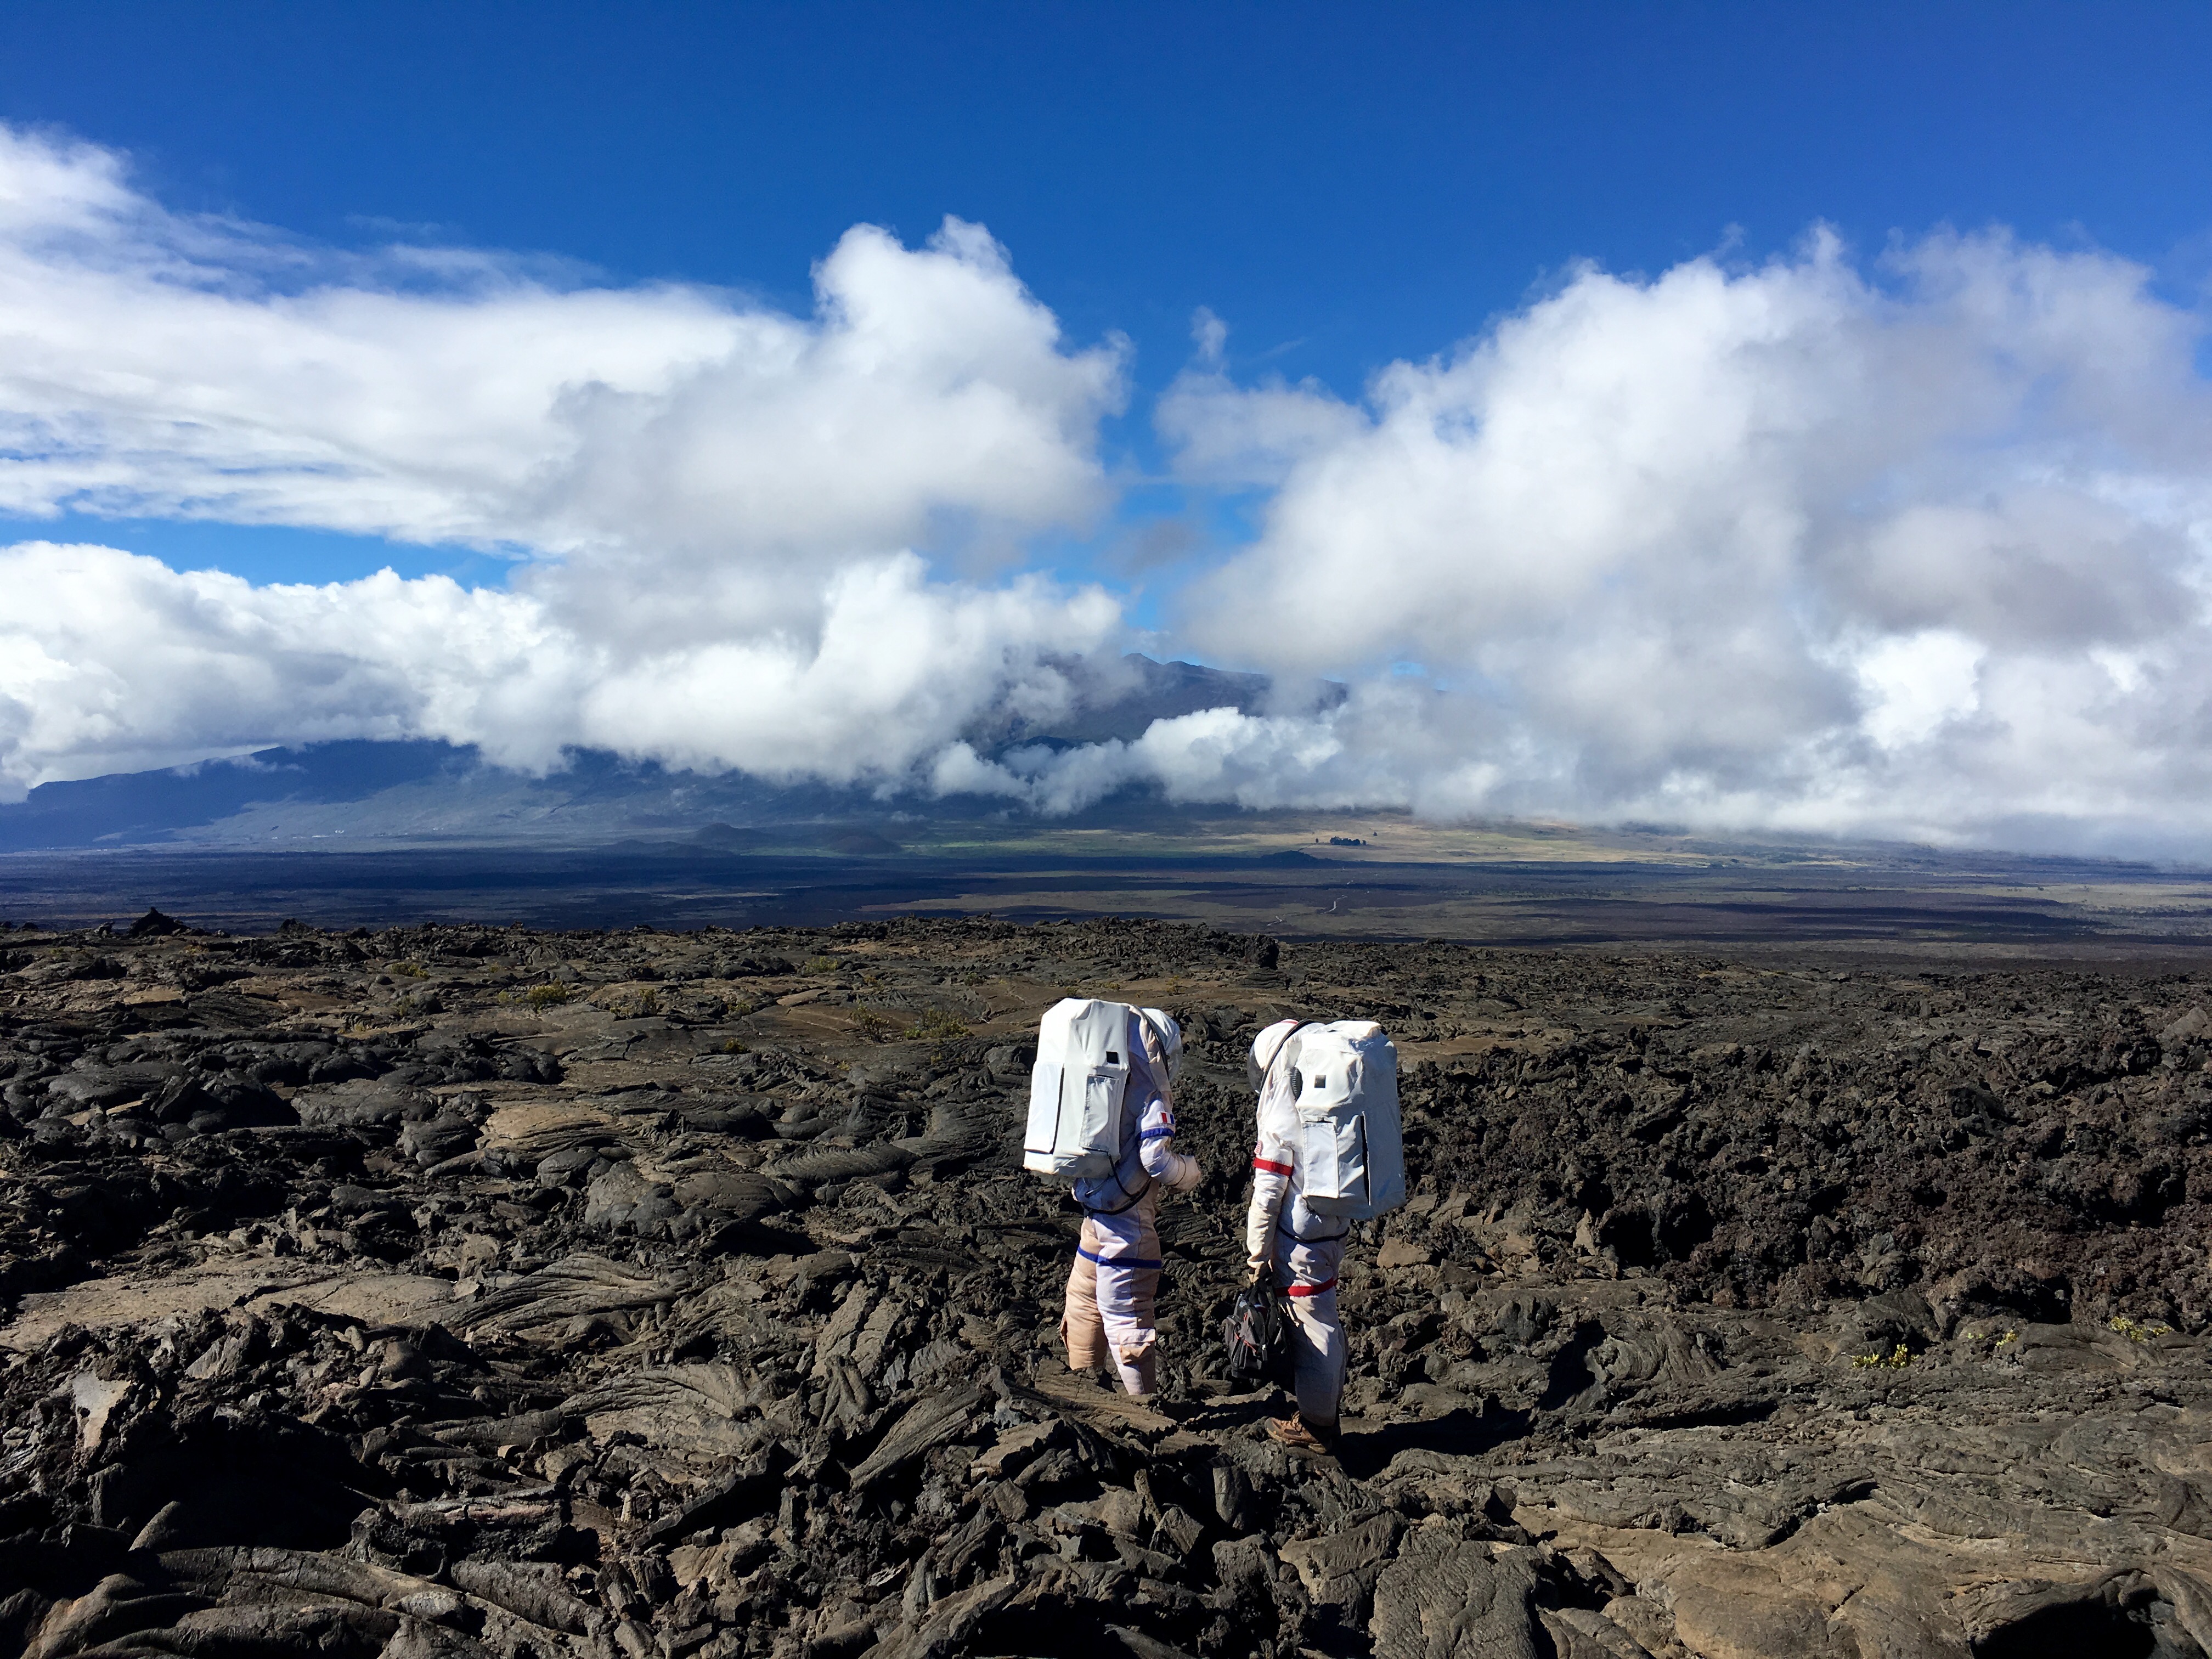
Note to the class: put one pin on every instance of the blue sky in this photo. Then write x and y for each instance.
(1787, 416)
(1343, 185)
(1369, 181)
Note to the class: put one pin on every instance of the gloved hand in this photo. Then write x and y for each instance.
(1185, 1175)
(1256, 1266)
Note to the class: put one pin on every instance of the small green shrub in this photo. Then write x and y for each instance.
(550, 994)
(936, 1026)
(819, 965)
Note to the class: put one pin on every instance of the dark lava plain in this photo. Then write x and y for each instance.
(462, 1290)
(1864, 898)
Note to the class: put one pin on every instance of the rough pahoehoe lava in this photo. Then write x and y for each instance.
(443, 1292)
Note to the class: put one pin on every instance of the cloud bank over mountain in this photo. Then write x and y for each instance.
(1922, 550)
(1914, 546)
(714, 502)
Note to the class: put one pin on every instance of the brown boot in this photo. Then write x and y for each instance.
(1295, 1431)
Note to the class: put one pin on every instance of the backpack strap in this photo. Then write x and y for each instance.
(1131, 1200)
(1152, 1036)
(1282, 1048)
(1144, 1030)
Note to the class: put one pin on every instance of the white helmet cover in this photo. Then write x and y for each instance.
(1171, 1036)
(1265, 1048)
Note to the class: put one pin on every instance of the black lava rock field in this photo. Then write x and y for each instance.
(443, 1292)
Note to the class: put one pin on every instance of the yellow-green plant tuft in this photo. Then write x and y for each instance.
(1898, 1358)
(2135, 1333)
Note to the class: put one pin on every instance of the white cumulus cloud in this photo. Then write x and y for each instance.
(716, 505)
(1921, 549)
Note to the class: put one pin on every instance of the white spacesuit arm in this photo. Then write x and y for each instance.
(1272, 1165)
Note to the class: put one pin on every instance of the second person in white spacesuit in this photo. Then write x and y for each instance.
(1304, 1251)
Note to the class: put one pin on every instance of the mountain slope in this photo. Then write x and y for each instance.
(351, 793)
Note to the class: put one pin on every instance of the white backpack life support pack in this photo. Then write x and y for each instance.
(1077, 1088)
(1344, 1084)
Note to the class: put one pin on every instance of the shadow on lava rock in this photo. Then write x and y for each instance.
(1461, 1433)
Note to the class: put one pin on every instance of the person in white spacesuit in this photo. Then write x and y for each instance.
(1305, 1251)
(1107, 1321)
